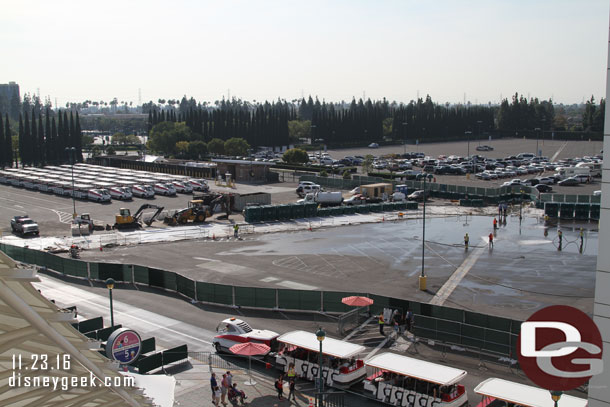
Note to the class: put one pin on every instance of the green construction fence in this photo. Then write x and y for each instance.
(434, 322)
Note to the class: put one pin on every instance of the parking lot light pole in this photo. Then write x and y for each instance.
(320, 335)
(110, 286)
(71, 152)
(422, 277)
(537, 130)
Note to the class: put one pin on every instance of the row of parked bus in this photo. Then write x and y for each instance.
(390, 378)
(99, 184)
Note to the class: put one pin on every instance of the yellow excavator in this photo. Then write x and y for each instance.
(199, 210)
(124, 219)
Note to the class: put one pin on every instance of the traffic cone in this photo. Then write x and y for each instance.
(383, 218)
(214, 236)
(310, 227)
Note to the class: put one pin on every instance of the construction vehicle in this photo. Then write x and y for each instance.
(125, 220)
(200, 209)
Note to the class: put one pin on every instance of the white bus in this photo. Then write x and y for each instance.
(502, 393)
(404, 381)
(340, 366)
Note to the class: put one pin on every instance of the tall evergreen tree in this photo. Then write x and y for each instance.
(26, 156)
(79, 140)
(41, 142)
(48, 142)
(2, 143)
(8, 139)
(56, 143)
(21, 142)
(34, 147)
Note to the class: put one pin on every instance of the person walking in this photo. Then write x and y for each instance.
(229, 378)
(236, 231)
(582, 240)
(495, 223)
(410, 319)
(381, 323)
(279, 386)
(491, 240)
(560, 235)
(466, 241)
(292, 386)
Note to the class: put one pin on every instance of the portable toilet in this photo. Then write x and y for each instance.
(402, 188)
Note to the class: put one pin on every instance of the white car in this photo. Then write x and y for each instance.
(143, 191)
(373, 145)
(597, 193)
(99, 195)
(166, 189)
(120, 193)
(199, 185)
(182, 187)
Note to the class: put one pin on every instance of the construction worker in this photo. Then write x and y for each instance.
(495, 223)
(381, 323)
(491, 240)
(546, 232)
(291, 372)
(466, 241)
(236, 231)
(560, 235)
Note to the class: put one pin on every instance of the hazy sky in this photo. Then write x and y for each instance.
(257, 49)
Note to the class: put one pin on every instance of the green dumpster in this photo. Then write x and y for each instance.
(581, 211)
(594, 214)
(376, 207)
(311, 209)
(551, 209)
(349, 210)
(323, 212)
(253, 214)
(269, 213)
(298, 211)
(362, 208)
(412, 205)
(566, 210)
(284, 212)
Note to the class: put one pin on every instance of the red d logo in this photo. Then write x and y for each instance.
(560, 348)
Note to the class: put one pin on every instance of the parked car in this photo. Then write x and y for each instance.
(484, 148)
(597, 193)
(373, 145)
(543, 188)
(303, 190)
(572, 181)
(583, 178)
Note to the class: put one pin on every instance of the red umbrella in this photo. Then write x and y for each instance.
(250, 349)
(356, 301)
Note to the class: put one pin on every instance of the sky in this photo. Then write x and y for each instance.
(473, 50)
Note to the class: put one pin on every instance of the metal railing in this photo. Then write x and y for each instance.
(330, 399)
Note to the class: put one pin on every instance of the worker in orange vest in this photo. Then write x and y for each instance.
(491, 240)
(495, 223)
(381, 324)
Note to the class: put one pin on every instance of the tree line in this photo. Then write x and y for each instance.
(42, 139)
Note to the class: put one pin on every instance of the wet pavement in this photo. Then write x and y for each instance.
(523, 272)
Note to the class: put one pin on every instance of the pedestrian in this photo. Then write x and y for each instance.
(292, 385)
(238, 393)
(410, 320)
(491, 240)
(292, 374)
(236, 231)
(466, 241)
(381, 323)
(216, 396)
(582, 240)
(213, 383)
(560, 235)
(279, 386)
(224, 388)
(495, 223)
(395, 323)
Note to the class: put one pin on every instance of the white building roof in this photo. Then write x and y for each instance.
(31, 324)
(524, 395)
(419, 369)
(330, 346)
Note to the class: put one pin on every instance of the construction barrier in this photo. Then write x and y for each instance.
(432, 321)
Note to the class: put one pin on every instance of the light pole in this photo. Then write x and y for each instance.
(468, 134)
(479, 122)
(537, 130)
(110, 286)
(422, 277)
(313, 126)
(556, 395)
(71, 152)
(321, 335)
